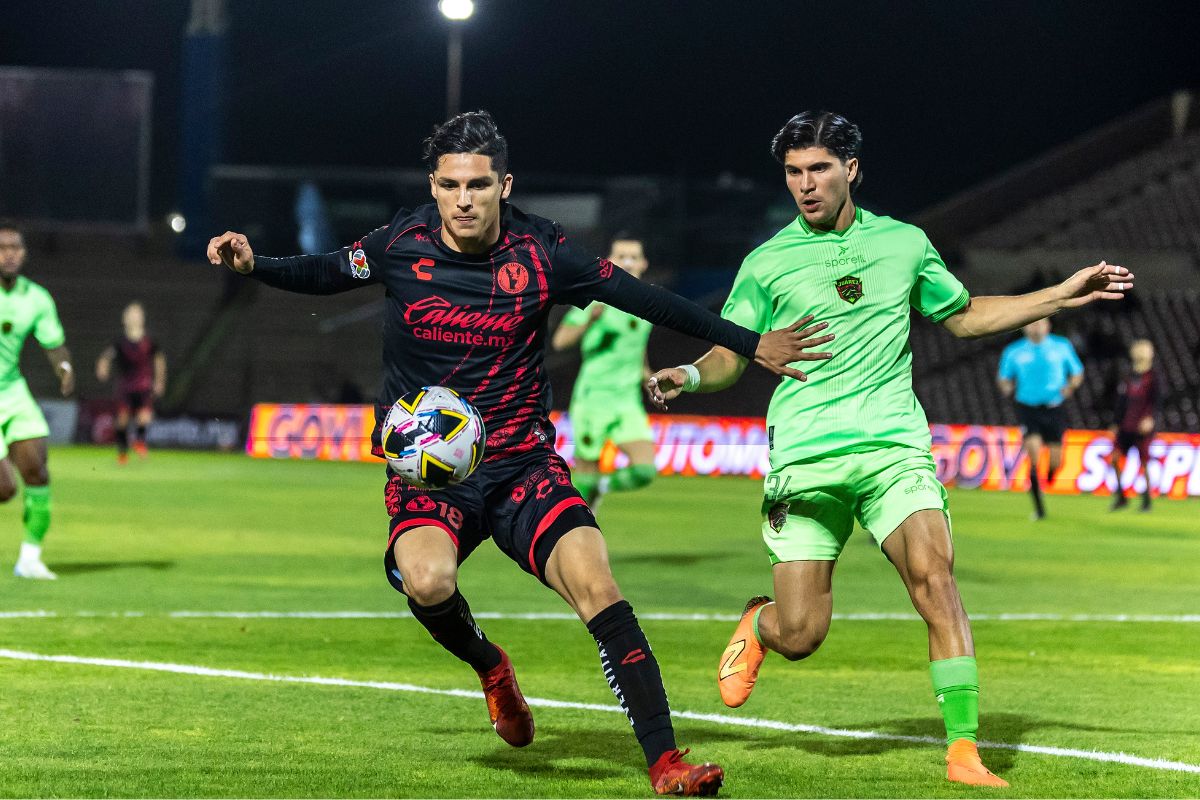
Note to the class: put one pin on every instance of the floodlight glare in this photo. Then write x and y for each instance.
(177, 222)
(456, 9)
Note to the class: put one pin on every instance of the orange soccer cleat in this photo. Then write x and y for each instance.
(140, 448)
(672, 775)
(506, 706)
(963, 766)
(739, 665)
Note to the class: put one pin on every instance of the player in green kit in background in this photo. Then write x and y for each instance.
(853, 442)
(26, 308)
(606, 404)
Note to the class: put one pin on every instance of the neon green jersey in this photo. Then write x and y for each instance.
(614, 352)
(861, 281)
(28, 308)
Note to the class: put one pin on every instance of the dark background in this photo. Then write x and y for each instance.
(946, 93)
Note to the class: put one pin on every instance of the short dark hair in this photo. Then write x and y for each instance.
(626, 235)
(825, 129)
(9, 225)
(469, 132)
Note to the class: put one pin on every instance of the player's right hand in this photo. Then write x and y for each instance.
(233, 250)
(778, 348)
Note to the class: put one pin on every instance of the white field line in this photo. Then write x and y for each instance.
(563, 615)
(716, 719)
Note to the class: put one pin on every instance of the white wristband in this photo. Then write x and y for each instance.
(692, 382)
(65, 366)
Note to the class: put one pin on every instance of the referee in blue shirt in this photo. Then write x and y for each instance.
(1042, 370)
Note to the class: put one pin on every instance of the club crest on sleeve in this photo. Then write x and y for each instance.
(358, 262)
(849, 288)
(513, 277)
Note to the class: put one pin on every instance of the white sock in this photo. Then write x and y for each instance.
(30, 552)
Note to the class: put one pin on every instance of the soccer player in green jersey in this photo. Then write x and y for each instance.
(606, 404)
(853, 442)
(26, 308)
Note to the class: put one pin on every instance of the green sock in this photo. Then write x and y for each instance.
(635, 476)
(956, 685)
(585, 484)
(37, 513)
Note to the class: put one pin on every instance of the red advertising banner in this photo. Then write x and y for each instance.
(967, 456)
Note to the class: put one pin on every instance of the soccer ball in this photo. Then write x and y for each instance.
(433, 438)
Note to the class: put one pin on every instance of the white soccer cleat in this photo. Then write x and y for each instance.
(34, 570)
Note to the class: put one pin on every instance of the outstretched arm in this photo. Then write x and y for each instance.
(326, 273)
(104, 363)
(983, 316)
(774, 350)
(720, 367)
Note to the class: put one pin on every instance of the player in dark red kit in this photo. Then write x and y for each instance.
(1137, 404)
(141, 377)
(470, 282)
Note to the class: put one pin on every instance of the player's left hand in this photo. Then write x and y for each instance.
(1146, 426)
(778, 348)
(1103, 281)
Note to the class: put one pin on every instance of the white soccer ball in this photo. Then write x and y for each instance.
(433, 438)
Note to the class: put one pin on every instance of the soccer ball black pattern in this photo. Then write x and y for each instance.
(433, 438)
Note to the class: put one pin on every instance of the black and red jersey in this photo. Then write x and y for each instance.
(1137, 398)
(478, 323)
(135, 364)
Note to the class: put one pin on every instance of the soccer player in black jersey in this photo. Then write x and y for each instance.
(469, 283)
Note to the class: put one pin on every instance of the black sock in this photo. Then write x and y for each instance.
(1119, 492)
(122, 441)
(1146, 494)
(451, 624)
(1036, 490)
(632, 674)
(141, 433)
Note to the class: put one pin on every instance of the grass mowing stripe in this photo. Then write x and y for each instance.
(717, 719)
(865, 616)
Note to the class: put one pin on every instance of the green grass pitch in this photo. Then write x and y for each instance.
(210, 533)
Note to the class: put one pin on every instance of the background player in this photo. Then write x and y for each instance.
(1136, 406)
(25, 308)
(141, 378)
(470, 283)
(606, 403)
(853, 442)
(1042, 370)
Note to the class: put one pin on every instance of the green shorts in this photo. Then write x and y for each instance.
(809, 507)
(594, 423)
(20, 416)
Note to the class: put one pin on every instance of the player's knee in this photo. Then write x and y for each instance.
(37, 475)
(429, 584)
(797, 643)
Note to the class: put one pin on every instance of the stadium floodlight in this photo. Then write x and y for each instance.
(177, 222)
(456, 9)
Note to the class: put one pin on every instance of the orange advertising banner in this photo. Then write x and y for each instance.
(967, 456)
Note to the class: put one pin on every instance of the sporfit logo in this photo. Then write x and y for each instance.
(843, 259)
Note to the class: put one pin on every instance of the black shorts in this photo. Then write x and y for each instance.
(525, 504)
(1049, 422)
(1132, 440)
(135, 401)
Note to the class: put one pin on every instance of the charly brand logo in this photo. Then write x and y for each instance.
(435, 318)
(358, 262)
(849, 288)
(513, 277)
